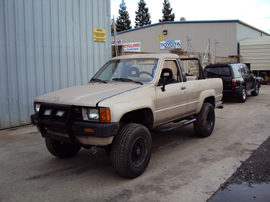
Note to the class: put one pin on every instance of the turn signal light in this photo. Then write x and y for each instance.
(104, 115)
(89, 130)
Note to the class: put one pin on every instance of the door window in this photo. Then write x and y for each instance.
(171, 64)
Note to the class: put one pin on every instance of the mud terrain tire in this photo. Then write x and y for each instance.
(131, 150)
(205, 121)
(61, 149)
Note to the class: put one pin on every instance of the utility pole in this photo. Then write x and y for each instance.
(187, 44)
(216, 42)
(206, 51)
(115, 39)
(209, 53)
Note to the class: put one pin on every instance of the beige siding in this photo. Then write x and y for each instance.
(256, 51)
(199, 34)
(243, 32)
(227, 33)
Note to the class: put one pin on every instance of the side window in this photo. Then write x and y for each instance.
(171, 64)
(247, 70)
(242, 69)
(236, 70)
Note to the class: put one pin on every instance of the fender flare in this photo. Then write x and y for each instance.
(206, 94)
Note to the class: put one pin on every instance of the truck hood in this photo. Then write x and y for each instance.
(87, 95)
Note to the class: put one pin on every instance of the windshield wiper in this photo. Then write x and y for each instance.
(128, 80)
(97, 80)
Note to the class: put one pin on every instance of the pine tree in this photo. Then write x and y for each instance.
(123, 22)
(142, 15)
(167, 10)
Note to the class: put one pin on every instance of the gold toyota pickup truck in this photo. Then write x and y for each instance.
(129, 97)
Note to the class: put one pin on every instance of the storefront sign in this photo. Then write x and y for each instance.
(132, 47)
(99, 34)
(170, 44)
(119, 42)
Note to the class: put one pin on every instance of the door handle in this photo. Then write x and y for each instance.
(183, 87)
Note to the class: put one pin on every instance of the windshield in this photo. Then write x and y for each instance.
(215, 71)
(127, 70)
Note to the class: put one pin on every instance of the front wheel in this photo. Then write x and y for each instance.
(61, 149)
(205, 121)
(256, 90)
(131, 150)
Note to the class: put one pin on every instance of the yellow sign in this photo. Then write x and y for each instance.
(99, 35)
(159, 37)
(227, 47)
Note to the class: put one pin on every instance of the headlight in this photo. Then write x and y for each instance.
(96, 114)
(93, 114)
(36, 107)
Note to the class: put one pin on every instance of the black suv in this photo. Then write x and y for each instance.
(238, 80)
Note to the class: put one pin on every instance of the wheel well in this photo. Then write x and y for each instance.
(141, 116)
(211, 100)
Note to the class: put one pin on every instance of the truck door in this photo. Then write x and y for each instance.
(171, 101)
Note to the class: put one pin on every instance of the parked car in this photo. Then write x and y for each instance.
(238, 80)
(265, 78)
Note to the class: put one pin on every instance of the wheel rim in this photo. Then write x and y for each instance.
(244, 95)
(257, 88)
(209, 121)
(138, 152)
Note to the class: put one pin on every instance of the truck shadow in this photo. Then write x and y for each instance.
(232, 99)
(95, 163)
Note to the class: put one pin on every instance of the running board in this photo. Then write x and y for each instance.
(182, 124)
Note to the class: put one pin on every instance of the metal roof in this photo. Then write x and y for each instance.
(190, 22)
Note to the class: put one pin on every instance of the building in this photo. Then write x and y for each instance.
(219, 37)
(255, 51)
(46, 46)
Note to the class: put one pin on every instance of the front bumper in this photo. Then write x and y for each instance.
(69, 128)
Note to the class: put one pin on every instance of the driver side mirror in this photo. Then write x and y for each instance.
(166, 77)
(164, 82)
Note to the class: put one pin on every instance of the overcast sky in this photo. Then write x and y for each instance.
(253, 12)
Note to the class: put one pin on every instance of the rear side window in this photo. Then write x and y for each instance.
(217, 71)
(237, 70)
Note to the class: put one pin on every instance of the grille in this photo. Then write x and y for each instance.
(53, 113)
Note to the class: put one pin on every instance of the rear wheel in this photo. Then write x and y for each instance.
(61, 149)
(243, 94)
(205, 121)
(131, 150)
(256, 90)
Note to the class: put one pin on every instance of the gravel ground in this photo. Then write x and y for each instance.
(251, 181)
(255, 170)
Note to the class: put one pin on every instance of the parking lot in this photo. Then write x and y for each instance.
(183, 167)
